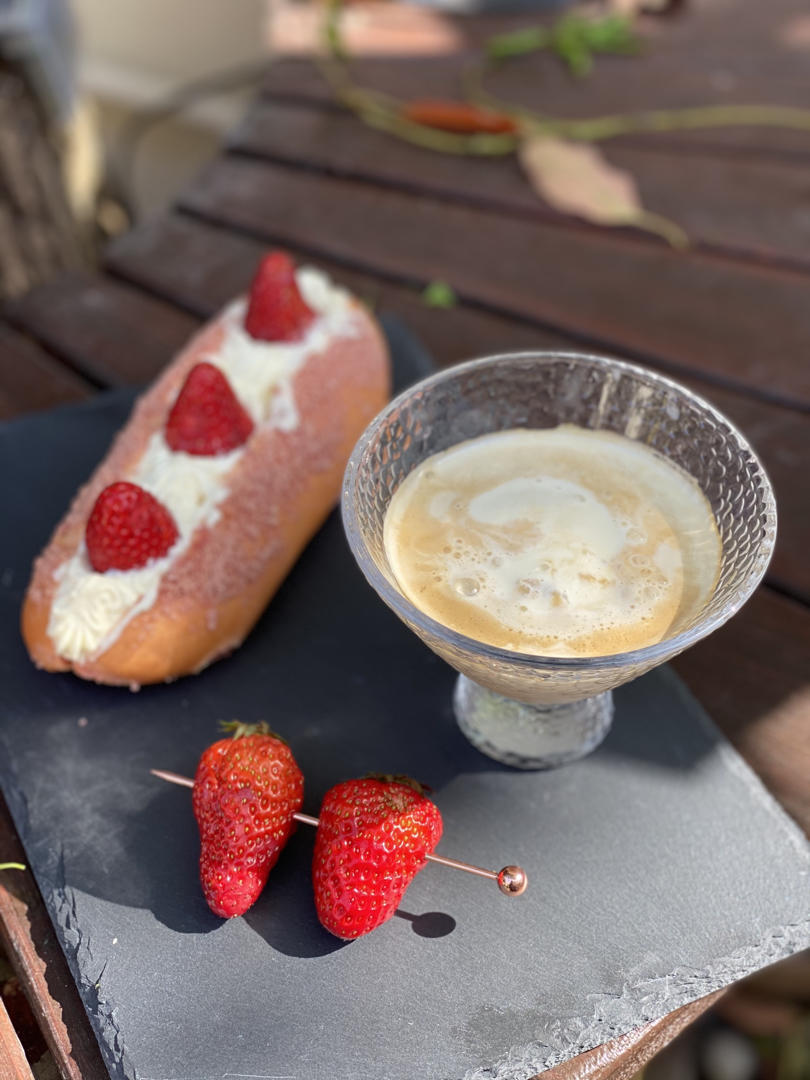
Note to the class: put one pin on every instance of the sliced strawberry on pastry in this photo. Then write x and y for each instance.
(127, 527)
(276, 310)
(207, 418)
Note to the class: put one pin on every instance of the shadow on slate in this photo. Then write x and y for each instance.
(660, 869)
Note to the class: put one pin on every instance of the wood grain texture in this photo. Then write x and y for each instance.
(715, 52)
(751, 676)
(29, 940)
(738, 206)
(13, 1062)
(38, 234)
(200, 267)
(103, 331)
(30, 379)
(712, 318)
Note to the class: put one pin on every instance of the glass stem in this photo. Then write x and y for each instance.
(530, 736)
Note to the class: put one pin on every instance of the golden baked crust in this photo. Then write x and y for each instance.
(280, 492)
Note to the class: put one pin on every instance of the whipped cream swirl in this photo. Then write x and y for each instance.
(90, 609)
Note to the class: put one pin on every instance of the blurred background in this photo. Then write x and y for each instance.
(114, 106)
(106, 112)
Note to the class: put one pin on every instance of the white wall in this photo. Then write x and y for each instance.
(137, 51)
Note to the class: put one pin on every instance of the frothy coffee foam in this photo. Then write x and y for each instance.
(557, 542)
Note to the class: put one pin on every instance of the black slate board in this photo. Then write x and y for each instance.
(660, 868)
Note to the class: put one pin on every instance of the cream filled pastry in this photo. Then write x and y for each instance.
(241, 443)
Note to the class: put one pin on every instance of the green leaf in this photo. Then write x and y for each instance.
(575, 39)
(331, 31)
(439, 294)
(613, 34)
(517, 42)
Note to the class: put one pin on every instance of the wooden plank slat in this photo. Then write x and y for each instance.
(30, 379)
(200, 268)
(751, 676)
(13, 1062)
(110, 334)
(618, 85)
(740, 207)
(39, 963)
(715, 53)
(685, 314)
(38, 234)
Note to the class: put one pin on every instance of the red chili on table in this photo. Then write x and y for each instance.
(459, 118)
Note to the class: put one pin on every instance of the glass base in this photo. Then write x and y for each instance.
(530, 736)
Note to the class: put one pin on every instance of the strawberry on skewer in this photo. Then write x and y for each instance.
(246, 793)
(511, 880)
(373, 838)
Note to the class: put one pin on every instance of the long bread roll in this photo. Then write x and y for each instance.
(242, 517)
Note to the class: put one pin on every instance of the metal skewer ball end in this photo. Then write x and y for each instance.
(512, 880)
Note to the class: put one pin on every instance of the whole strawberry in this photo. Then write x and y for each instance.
(126, 528)
(245, 793)
(276, 310)
(372, 840)
(207, 418)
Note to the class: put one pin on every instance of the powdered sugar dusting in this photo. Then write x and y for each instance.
(89, 610)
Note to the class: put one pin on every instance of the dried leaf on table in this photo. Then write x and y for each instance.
(576, 178)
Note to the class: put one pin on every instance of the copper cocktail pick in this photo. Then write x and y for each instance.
(512, 880)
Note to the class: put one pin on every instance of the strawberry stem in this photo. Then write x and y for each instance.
(240, 730)
(398, 778)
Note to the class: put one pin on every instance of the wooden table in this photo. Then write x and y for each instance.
(730, 317)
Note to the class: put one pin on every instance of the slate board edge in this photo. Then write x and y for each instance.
(60, 905)
(525, 1062)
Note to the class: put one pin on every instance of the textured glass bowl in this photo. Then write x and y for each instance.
(536, 711)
